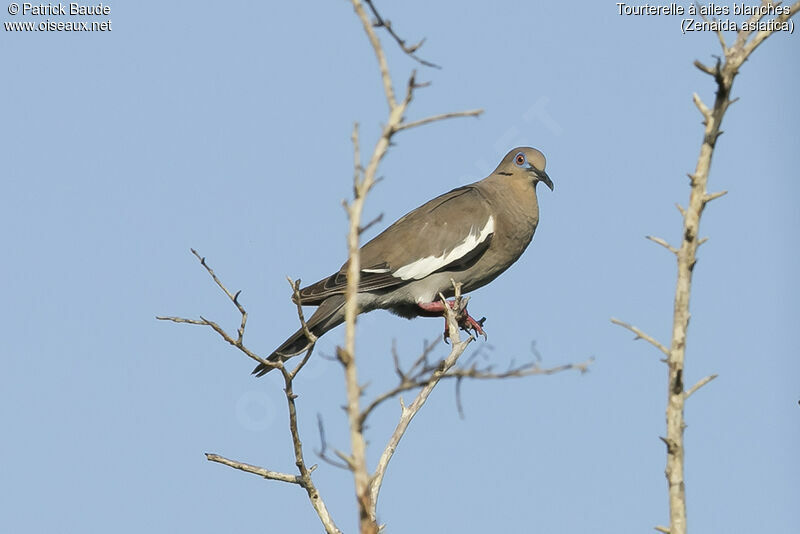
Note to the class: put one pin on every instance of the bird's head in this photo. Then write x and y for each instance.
(526, 161)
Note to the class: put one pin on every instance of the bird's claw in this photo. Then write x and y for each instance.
(468, 324)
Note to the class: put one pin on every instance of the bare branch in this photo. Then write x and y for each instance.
(305, 472)
(358, 169)
(409, 50)
(440, 117)
(530, 369)
(708, 70)
(295, 285)
(702, 382)
(234, 297)
(701, 106)
(641, 335)
(323, 447)
(182, 320)
(663, 243)
(260, 471)
(386, 78)
(418, 377)
(724, 72)
(408, 413)
(364, 179)
(748, 48)
(218, 329)
(370, 224)
(302, 363)
(711, 196)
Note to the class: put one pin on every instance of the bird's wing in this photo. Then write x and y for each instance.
(449, 232)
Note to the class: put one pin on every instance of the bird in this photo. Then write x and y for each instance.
(469, 235)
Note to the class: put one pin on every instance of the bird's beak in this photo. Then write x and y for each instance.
(542, 177)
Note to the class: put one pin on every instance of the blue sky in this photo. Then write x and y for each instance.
(225, 127)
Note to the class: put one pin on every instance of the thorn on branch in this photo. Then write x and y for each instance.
(671, 447)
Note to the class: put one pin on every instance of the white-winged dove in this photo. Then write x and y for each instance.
(470, 235)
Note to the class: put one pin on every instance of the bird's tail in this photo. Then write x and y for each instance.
(329, 315)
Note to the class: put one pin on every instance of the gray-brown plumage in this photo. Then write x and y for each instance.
(471, 235)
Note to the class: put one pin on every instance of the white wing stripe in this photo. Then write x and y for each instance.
(429, 264)
(375, 271)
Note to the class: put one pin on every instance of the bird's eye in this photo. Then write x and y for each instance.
(520, 159)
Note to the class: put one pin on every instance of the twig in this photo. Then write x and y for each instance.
(711, 196)
(408, 413)
(378, 49)
(234, 298)
(295, 285)
(370, 224)
(260, 471)
(364, 179)
(304, 478)
(662, 242)
(700, 383)
(305, 472)
(323, 447)
(440, 117)
(409, 50)
(641, 335)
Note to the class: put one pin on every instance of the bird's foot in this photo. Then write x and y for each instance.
(465, 321)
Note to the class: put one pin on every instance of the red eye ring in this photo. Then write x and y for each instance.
(520, 159)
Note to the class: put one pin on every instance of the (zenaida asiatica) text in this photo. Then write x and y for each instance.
(469, 235)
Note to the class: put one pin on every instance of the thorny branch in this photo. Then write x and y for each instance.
(422, 375)
(234, 298)
(724, 71)
(409, 50)
(303, 479)
(408, 413)
(422, 370)
(364, 180)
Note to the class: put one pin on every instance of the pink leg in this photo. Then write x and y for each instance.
(466, 321)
